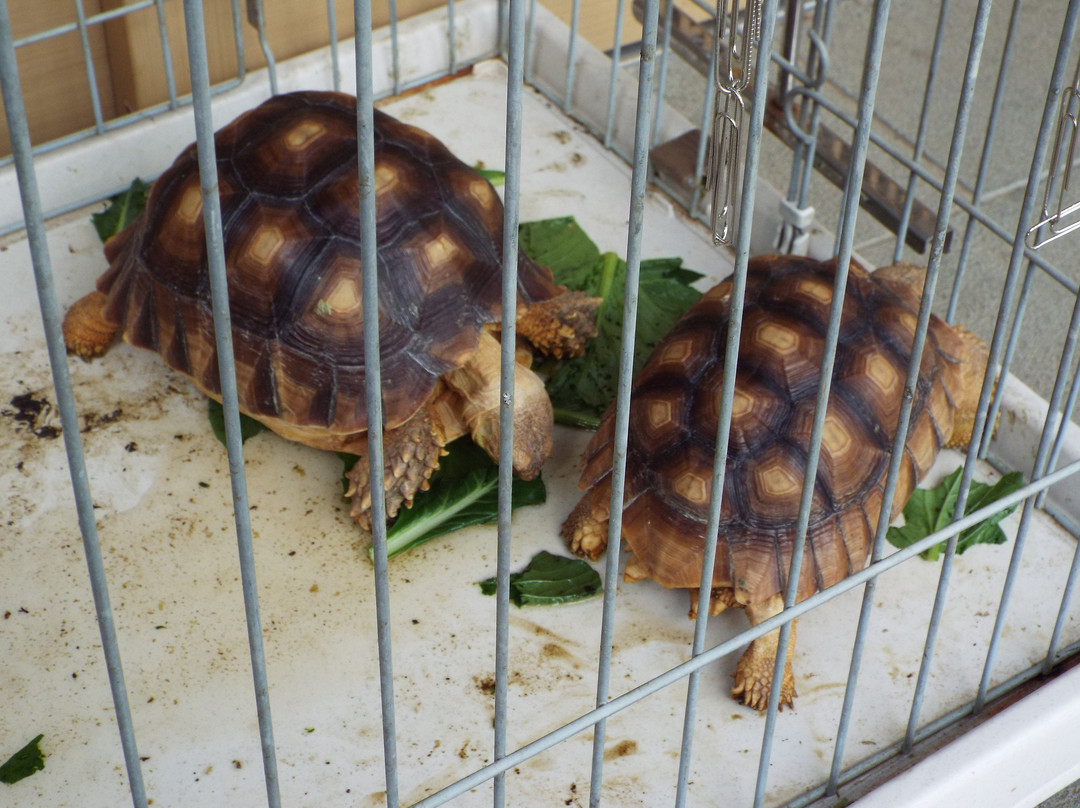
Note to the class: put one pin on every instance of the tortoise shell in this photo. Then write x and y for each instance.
(673, 425)
(289, 190)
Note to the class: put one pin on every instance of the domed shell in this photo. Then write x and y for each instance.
(673, 424)
(290, 216)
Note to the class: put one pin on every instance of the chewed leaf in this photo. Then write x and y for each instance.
(23, 763)
(930, 510)
(581, 388)
(549, 579)
(492, 175)
(560, 245)
(249, 427)
(122, 210)
(463, 491)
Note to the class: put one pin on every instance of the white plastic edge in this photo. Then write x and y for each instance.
(1016, 759)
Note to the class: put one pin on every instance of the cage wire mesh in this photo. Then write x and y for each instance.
(865, 134)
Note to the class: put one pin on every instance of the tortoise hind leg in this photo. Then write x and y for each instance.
(586, 528)
(560, 326)
(754, 673)
(87, 333)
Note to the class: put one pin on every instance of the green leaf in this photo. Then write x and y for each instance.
(463, 492)
(249, 427)
(560, 245)
(549, 579)
(492, 175)
(122, 210)
(930, 510)
(23, 763)
(582, 387)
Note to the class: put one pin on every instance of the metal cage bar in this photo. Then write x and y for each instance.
(369, 263)
(514, 79)
(727, 394)
(15, 114)
(638, 182)
(984, 159)
(219, 291)
(952, 171)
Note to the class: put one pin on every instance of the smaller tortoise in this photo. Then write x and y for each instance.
(289, 186)
(672, 439)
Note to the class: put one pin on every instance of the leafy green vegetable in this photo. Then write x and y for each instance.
(464, 491)
(550, 579)
(492, 175)
(122, 210)
(23, 763)
(249, 427)
(931, 510)
(583, 387)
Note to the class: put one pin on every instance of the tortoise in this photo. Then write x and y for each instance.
(289, 190)
(672, 440)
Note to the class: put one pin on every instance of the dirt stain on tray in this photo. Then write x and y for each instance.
(32, 413)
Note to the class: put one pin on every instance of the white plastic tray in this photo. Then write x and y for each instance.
(159, 481)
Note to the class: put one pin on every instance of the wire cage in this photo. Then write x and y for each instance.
(932, 132)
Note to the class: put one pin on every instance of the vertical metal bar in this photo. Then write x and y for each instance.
(166, 53)
(331, 21)
(791, 40)
(15, 114)
(920, 137)
(395, 54)
(984, 160)
(88, 61)
(257, 18)
(514, 79)
(369, 263)
(451, 40)
(1064, 422)
(571, 56)
(802, 164)
(530, 41)
(727, 390)
(948, 192)
(613, 78)
(707, 113)
(856, 168)
(1063, 611)
(238, 40)
(638, 181)
(661, 83)
(1010, 351)
(219, 292)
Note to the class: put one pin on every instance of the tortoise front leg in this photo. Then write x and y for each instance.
(477, 384)
(412, 451)
(754, 673)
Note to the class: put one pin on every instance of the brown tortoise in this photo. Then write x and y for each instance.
(288, 179)
(672, 440)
